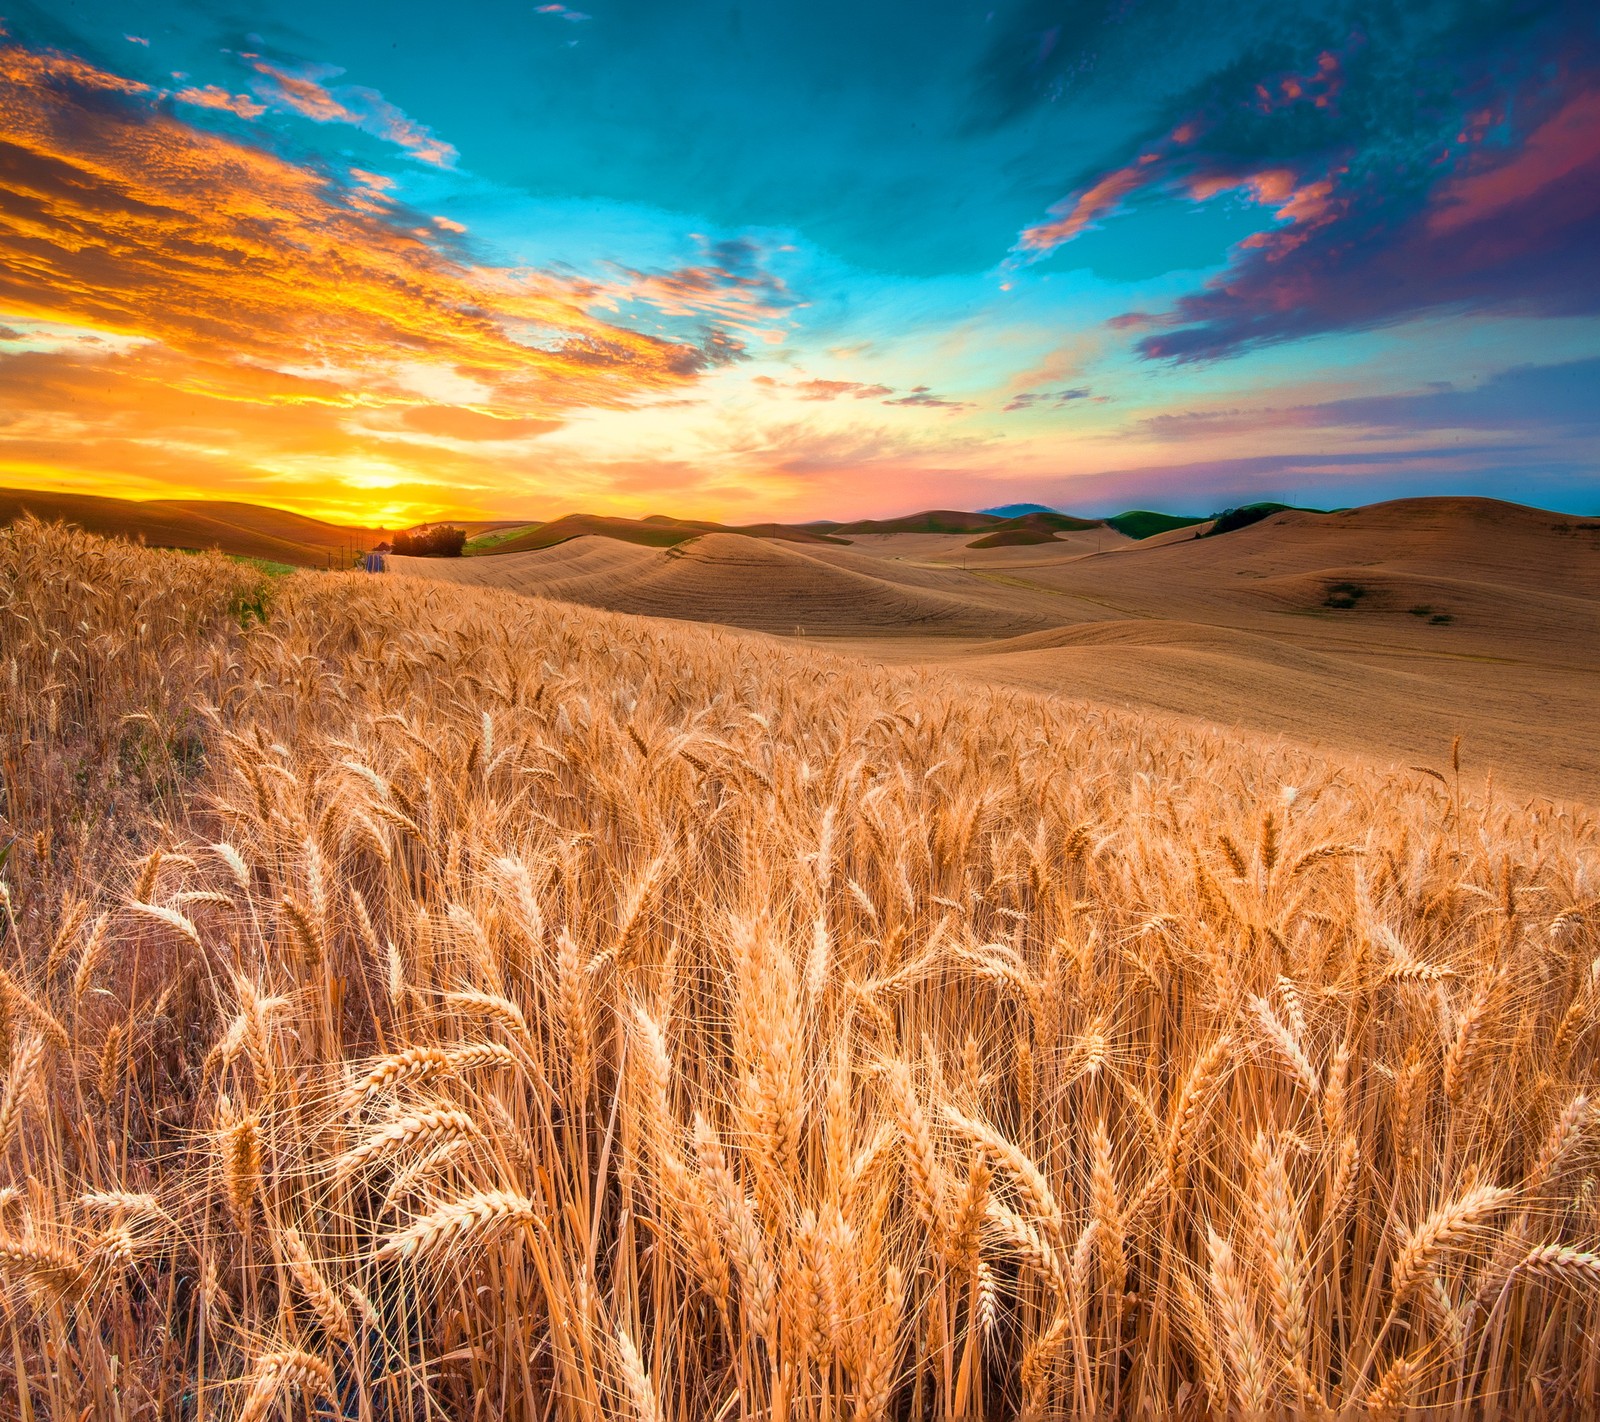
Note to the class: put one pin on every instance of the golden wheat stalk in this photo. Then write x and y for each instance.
(456, 1225)
(291, 1370)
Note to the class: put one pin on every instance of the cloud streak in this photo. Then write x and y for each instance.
(812, 389)
(1558, 400)
(826, 389)
(1030, 399)
(213, 96)
(924, 398)
(303, 89)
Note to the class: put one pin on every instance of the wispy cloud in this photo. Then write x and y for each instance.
(1556, 400)
(826, 389)
(730, 284)
(303, 89)
(577, 17)
(923, 396)
(814, 389)
(1029, 399)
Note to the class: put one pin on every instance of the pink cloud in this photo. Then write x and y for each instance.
(814, 389)
(837, 389)
(1157, 165)
(1560, 147)
(1075, 215)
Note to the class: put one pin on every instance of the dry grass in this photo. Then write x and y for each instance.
(507, 1009)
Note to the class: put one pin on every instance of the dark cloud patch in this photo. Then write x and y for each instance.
(1044, 51)
(922, 395)
(1413, 159)
(1518, 237)
(1029, 399)
(738, 258)
(721, 347)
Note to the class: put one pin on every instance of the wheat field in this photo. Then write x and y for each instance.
(421, 1001)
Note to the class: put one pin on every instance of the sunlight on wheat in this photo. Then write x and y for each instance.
(421, 1001)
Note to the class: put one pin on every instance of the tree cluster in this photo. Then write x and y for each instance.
(437, 540)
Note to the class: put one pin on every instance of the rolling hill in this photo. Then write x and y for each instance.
(247, 530)
(656, 531)
(1039, 526)
(1381, 631)
(761, 584)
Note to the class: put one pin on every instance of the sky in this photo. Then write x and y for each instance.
(750, 259)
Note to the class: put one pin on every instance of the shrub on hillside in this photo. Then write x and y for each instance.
(1230, 520)
(437, 540)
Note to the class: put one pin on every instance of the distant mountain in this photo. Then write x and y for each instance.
(1017, 510)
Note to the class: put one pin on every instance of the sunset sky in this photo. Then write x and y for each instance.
(752, 258)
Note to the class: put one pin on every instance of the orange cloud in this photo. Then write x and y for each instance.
(124, 218)
(1073, 216)
(214, 97)
(204, 314)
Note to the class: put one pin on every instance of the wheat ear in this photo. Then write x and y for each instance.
(456, 1224)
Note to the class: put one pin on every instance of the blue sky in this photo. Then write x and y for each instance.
(742, 260)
